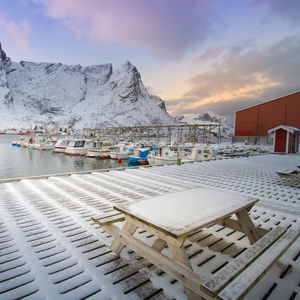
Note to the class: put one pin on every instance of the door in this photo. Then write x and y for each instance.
(294, 143)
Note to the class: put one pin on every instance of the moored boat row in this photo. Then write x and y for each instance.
(136, 153)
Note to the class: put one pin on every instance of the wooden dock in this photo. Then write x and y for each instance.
(51, 249)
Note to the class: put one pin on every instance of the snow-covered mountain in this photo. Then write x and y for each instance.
(74, 96)
(209, 118)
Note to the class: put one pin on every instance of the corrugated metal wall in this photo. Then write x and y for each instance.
(257, 120)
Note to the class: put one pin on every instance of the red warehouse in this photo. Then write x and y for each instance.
(255, 121)
(286, 139)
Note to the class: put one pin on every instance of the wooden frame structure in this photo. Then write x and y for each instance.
(204, 133)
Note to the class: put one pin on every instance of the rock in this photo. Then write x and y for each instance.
(76, 96)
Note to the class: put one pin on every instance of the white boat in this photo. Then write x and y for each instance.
(202, 153)
(77, 147)
(44, 144)
(171, 154)
(99, 149)
(122, 152)
(94, 148)
(27, 142)
(11, 131)
(31, 143)
(167, 155)
(61, 145)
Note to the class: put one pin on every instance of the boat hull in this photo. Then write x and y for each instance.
(59, 149)
(117, 155)
(75, 152)
(137, 159)
(162, 160)
(98, 153)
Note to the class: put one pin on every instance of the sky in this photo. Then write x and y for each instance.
(197, 55)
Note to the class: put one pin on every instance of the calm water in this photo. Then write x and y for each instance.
(24, 162)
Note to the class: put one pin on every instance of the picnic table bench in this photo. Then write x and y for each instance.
(173, 217)
(293, 175)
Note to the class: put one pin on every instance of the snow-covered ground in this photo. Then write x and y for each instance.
(50, 248)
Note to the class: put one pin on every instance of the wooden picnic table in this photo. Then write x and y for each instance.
(172, 218)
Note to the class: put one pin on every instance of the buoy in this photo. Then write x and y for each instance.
(119, 160)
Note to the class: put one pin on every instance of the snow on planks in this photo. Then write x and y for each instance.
(50, 246)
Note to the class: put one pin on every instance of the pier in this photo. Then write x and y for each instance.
(50, 247)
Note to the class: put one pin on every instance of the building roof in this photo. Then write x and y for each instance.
(286, 128)
(267, 101)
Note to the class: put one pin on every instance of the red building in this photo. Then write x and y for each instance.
(286, 139)
(255, 121)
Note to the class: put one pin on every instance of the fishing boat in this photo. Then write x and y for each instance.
(61, 145)
(140, 155)
(77, 147)
(31, 143)
(99, 149)
(202, 153)
(168, 154)
(44, 144)
(172, 154)
(122, 151)
(28, 141)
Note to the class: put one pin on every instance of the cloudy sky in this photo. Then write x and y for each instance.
(197, 55)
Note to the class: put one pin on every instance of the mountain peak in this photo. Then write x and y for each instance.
(3, 58)
(75, 97)
(127, 67)
(126, 63)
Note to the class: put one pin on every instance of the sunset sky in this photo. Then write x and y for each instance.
(197, 55)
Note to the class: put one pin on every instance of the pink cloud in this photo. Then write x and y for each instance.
(168, 28)
(18, 33)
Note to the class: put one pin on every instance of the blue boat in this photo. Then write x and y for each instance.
(140, 156)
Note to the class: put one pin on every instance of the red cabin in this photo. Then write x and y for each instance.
(286, 139)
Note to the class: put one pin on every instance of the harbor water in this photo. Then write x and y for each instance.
(23, 162)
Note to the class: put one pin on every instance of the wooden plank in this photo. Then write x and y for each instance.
(288, 172)
(293, 176)
(109, 220)
(176, 270)
(248, 226)
(235, 267)
(108, 214)
(293, 180)
(235, 225)
(116, 245)
(159, 244)
(246, 280)
(179, 255)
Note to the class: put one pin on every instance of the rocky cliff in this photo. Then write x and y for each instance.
(75, 96)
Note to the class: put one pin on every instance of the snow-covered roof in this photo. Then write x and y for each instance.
(284, 127)
(51, 249)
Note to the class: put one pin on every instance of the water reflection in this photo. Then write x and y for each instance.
(24, 162)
